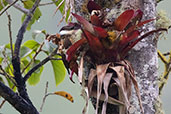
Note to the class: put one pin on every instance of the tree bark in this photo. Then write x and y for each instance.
(143, 56)
(145, 62)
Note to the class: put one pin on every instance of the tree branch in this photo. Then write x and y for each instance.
(16, 59)
(17, 6)
(44, 61)
(16, 101)
(7, 7)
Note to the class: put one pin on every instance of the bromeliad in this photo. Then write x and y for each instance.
(106, 45)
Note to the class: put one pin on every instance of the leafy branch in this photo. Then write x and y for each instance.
(7, 7)
(17, 6)
(44, 61)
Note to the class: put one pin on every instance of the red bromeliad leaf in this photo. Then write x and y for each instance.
(87, 26)
(100, 32)
(122, 21)
(72, 50)
(95, 20)
(93, 6)
(130, 46)
(126, 38)
(138, 15)
(138, 25)
(94, 42)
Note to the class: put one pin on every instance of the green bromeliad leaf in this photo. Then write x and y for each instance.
(28, 4)
(59, 70)
(35, 77)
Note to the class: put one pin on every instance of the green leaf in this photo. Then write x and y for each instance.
(2, 4)
(8, 46)
(35, 77)
(32, 44)
(62, 6)
(25, 51)
(11, 85)
(59, 70)
(1, 59)
(24, 63)
(28, 5)
(1, 80)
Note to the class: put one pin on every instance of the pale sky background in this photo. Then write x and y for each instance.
(57, 104)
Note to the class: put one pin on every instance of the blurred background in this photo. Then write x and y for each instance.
(57, 104)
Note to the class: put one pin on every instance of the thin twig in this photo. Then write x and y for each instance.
(44, 98)
(166, 54)
(34, 57)
(55, 59)
(162, 57)
(7, 76)
(7, 7)
(49, 3)
(10, 33)
(2, 103)
(167, 70)
(6, 60)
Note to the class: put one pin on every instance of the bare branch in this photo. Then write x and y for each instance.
(162, 57)
(7, 7)
(10, 33)
(17, 6)
(2, 103)
(167, 69)
(44, 98)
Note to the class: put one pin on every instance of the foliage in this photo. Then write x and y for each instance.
(28, 4)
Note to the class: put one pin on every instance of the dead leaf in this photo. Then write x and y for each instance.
(65, 95)
(106, 82)
(101, 72)
(121, 82)
(129, 68)
(110, 99)
(80, 70)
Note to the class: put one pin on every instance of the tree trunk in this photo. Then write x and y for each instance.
(143, 56)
